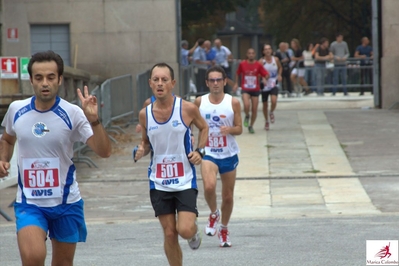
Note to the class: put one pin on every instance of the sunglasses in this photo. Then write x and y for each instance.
(215, 80)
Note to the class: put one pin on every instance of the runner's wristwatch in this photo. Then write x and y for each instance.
(201, 151)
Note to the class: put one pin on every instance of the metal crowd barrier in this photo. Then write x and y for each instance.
(79, 149)
(358, 76)
(115, 101)
(143, 89)
(11, 179)
(188, 86)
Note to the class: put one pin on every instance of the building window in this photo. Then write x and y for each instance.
(51, 37)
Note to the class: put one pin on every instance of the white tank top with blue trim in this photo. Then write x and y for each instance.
(170, 169)
(217, 115)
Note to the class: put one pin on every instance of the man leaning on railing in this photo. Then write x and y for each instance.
(365, 52)
(340, 51)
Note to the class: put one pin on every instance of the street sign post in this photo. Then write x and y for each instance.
(23, 64)
(9, 67)
(12, 35)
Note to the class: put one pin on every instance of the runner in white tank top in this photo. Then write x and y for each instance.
(173, 189)
(170, 169)
(217, 115)
(273, 66)
(223, 115)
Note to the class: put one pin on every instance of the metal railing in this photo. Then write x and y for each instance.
(143, 89)
(11, 179)
(115, 101)
(187, 85)
(358, 77)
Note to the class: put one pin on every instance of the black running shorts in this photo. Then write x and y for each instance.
(251, 93)
(265, 94)
(171, 202)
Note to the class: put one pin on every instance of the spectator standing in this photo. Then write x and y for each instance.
(308, 62)
(199, 56)
(298, 73)
(315, 47)
(290, 52)
(288, 49)
(223, 57)
(285, 60)
(322, 57)
(339, 49)
(249, 71)
(185, 53)
(201, 64)
(210, 53)
(365, 52)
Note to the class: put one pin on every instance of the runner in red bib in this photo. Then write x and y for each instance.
(250, 71)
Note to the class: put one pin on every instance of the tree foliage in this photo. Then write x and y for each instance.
(202, 18)
(309, 20)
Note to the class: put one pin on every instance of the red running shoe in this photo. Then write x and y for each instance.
(267, 126)
(271, 117)
(224, 238)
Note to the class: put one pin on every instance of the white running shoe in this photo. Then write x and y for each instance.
(213, 221)
(195, 242)
(224, 238)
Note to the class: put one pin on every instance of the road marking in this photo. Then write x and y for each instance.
(253, 152)
(324, 148)
(346, 196)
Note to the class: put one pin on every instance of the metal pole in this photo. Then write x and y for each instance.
(255, 44)
(234, 46)
(376, 56)
(178, 42)
(351, 14)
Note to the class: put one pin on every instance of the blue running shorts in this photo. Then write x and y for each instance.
(64, 223)
(225, 165)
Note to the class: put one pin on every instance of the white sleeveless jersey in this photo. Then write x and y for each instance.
(170, 169)
(46, 173)
(272, 68)
(217, 115)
